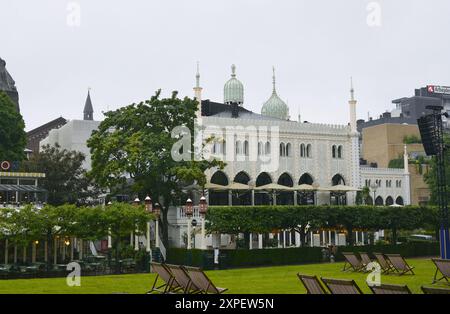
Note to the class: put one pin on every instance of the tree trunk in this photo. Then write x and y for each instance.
(117, 265)
(165, 227)
(49, 250)
(394, 236)
(302, 236)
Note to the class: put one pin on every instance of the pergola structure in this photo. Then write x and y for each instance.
(21, 187)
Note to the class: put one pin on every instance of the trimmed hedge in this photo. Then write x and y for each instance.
(288, 256)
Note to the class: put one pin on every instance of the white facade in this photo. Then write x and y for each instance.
(322, 151)
(73, 136)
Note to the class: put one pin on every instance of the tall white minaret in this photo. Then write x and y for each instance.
(352, 102)
(405, 160)
(198, 92)
(407, 178)
(355, 170)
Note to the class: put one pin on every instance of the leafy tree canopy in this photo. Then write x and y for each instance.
(134, 144)
(65, 178)
(12, 131)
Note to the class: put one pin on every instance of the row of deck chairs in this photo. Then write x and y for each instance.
(344, 286)
(389, 263)
(182, 279)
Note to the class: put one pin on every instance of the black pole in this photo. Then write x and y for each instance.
(441, 184)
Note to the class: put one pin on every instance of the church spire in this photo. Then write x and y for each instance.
(88, 111)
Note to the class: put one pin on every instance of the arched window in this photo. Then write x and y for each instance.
(309, 151)
(340, 152)
(238, 147)
(286, 180)
(282, 150)
(263, 179)
(267, 148)
(302, 150)
(242, 178)
(379, 201)
(389, 201)
(337, 180)
(288, 150)
(219, 178)
(399, 201)
(306, 179)
(246, 149)
(334, 151)
(260, 148)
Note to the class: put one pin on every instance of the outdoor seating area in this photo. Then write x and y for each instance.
(389, 263)
(90, 266)
(392, 264)
(182, 279)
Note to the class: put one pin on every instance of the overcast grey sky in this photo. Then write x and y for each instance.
(125, 50)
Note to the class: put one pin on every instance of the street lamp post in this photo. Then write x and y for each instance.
(189, 209)
(149, 208)
(203, 208)
(374, 189)
(157, 211)
(136, 202)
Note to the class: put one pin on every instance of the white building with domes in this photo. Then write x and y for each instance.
(273, 160)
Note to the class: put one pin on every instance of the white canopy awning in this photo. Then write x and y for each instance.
(339, 188)
(274, 187)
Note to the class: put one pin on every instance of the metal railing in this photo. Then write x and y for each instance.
(181, 213)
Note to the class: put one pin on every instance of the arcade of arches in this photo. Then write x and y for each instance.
(262, 197)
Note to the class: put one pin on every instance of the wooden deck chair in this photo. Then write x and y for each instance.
(433, 290)
(399, 264)
(386, 267)
(201, 280)
(341, 286)
(365, 259)
(184, 280)
(442, 266)
(163, 273)
(352, 262)
(390, 289)
(312, 284)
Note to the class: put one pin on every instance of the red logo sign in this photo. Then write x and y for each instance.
(5, 165)
(431, 89)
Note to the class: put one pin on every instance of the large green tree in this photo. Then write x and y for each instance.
(12, 134)
(65, 178)
(431, 176)
(135, 142)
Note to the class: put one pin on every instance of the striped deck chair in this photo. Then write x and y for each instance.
(442, 266)
(202, 281)
(352, 262)
(400, 266)
(312, 284)
(184, 280)
(433, 290)
(384, 263)
(365, 259)
(390, 289)
(169, 282)
(341, 286)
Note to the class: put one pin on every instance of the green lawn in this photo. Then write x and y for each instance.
(252, 280)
